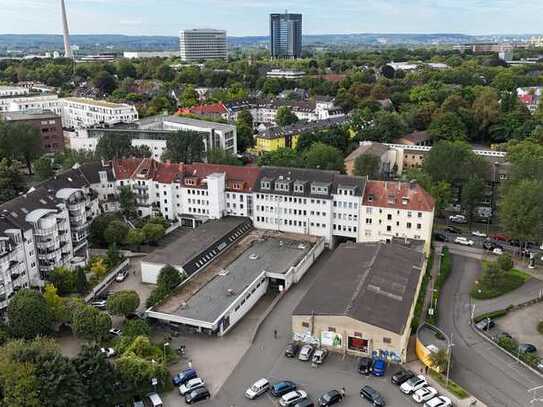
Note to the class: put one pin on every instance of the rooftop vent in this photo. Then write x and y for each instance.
(253, 256)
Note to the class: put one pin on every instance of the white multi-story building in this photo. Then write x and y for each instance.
(202, 44)
(84, 112)
(11, 91)
(28, 102)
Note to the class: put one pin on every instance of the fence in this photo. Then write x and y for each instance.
(106, 281)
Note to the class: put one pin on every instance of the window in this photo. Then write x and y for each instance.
(265, 185)
(389, 217)
(331, 329)
(408, 225)
(305, 324)
(419, 226)
(387, 340)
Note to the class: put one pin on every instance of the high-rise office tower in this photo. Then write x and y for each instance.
(202, 44)
(67, 48)
(286, 35)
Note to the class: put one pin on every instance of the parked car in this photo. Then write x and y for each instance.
(478, 233)
(502, 335)
(527, 348)
(100, 304)
(485, 324)
(424, 394)
(364, 365)
(463, 241)
(257, 389)
(497, 251)
(184, 376)
(372, 395)
(413, 384)
(282, 387)
(155, 400)
(319, 355)
(108, 352)
(401, 376)
(500, 236)
(121, 275)
(199, 394)
(191, 385)
(292, 349)
(115, 332)
(305, 403)
(138, 402)
(454, 229)
(489, 245)
(378, 368)
(458, 219)
(330, 398)
(440, 237)
(305, 353)
(439, 401)
(291, 398)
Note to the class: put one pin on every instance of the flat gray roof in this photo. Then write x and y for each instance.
(375, 283)
(186, 247)
(269, 255)
(158, 122)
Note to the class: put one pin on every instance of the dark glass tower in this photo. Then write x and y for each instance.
(286, 35)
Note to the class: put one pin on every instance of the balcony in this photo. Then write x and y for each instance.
(76, 207)
(143, 187)
(45, 231)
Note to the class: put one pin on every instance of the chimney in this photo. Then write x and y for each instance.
(67, 49)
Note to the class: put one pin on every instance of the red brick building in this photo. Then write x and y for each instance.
(48, 123)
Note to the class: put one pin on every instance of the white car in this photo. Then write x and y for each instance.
(440, 401)
(413, 384)
(458, 219)
(257, 389)
(305, 352)
(292, 398)
(121, 276)
(100, 304)
(108, 352)
(115, 332)
(191, 385)
(463, 241)
(478, 233)
(424, 394)
(497, 251)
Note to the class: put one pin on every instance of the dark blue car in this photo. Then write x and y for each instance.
(283, 387)
(379, 367)
(184, 376)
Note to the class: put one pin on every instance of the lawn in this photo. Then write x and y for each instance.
(510, 281)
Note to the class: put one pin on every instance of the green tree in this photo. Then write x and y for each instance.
(12, 182)
(28, 314)
(116, 232)
(486, 108)
(136, 327)
(447, 126)
(126, 69)
(184, 147)
(19, 385)
(218, 156)
(127, 201)
(63, 279)
(135, 237)
(105, 82)
(24, 143)
(323, 157)
(165, 73)
(245, 137)
(367, 165)
(80, 280)
(56, 304)
(43, 168)
(90, 324)
(245, 118)
(123, 302)
(285, 117)
(383, 127)
(189, 97)
(439, 359)
(472, 194)
(99, 377)
(282, 157)
(442, 194)
(505, 262)
(169, 277)
(114, 146)
(99, 226)
(153, 232)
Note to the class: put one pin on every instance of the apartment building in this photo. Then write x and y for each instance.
(10, 91)
(202, 45)
(85, 112)
(24, 103)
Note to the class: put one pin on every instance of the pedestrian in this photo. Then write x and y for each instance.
(190, 364)
(425, 369)
(343, 392)
(275, 333)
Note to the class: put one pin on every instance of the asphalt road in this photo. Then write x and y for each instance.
(477, 365)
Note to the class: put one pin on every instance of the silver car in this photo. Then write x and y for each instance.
(305, 353)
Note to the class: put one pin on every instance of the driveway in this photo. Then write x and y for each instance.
(477, 365)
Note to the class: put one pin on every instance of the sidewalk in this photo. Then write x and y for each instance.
(418, 368)
(430, 288)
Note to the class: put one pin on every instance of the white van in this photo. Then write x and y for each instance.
(258, 388)
(155, 400)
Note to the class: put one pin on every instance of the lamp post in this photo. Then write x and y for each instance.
(449, 353)
(166, 344)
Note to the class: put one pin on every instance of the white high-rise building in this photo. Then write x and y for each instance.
(202, 44)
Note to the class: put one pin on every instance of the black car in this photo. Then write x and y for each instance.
(489, 245)
(364, 365)
(401, 376)
(440, 237)
(330, 398)
(282, 387)
(292, 349)
(485, 324)
(453, 229)
(199, 394)
(372, 395)
(527, 348)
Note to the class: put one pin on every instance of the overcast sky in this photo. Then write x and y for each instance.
(250, 17)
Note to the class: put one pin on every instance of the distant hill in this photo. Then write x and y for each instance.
(104, 42)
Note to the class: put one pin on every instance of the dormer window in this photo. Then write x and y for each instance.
(319, 189)
(281, 186)
(265, 185)
(236, 186)
(299, 188)
(190, 181)
(405, 201)
(391, 199)
(370, 198)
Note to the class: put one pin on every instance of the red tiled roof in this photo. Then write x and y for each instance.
(415, 137)
(124, 169)
(215, 108)
(167, 172)
(246, 176)
(391, 194)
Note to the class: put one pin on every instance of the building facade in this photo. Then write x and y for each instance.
(48, 124)
(202, 45)
(10, 91)
(84, 112)
(286, 35)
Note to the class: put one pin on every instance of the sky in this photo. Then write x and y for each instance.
(250, 17)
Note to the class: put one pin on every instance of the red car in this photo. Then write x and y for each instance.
(501, 237)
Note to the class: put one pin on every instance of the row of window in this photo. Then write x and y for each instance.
(369, 211)
(386, 340)
(346, 205)
(345, 216)
(351, 229)
(250, 293)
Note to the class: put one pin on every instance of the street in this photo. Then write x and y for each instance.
(477, 365)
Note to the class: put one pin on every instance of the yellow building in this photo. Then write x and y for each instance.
(265, 143)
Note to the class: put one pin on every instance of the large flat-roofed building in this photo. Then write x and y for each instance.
(219, 296)
(202, 45)
(286, 35)
(24, 103)
(10, 91)
(363, 301)
(195, 249)
(85, 112)
(49, 125)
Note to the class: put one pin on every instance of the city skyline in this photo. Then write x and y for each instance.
(245, 18)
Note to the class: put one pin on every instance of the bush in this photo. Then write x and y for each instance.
(540, 327)
(136, 327)
(492, 287)
(453, 387)
(123, 302)
(491, 315)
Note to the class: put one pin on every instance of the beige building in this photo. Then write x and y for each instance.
(363, 301)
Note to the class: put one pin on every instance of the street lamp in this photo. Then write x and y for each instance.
(449, 352)
(164, 349)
